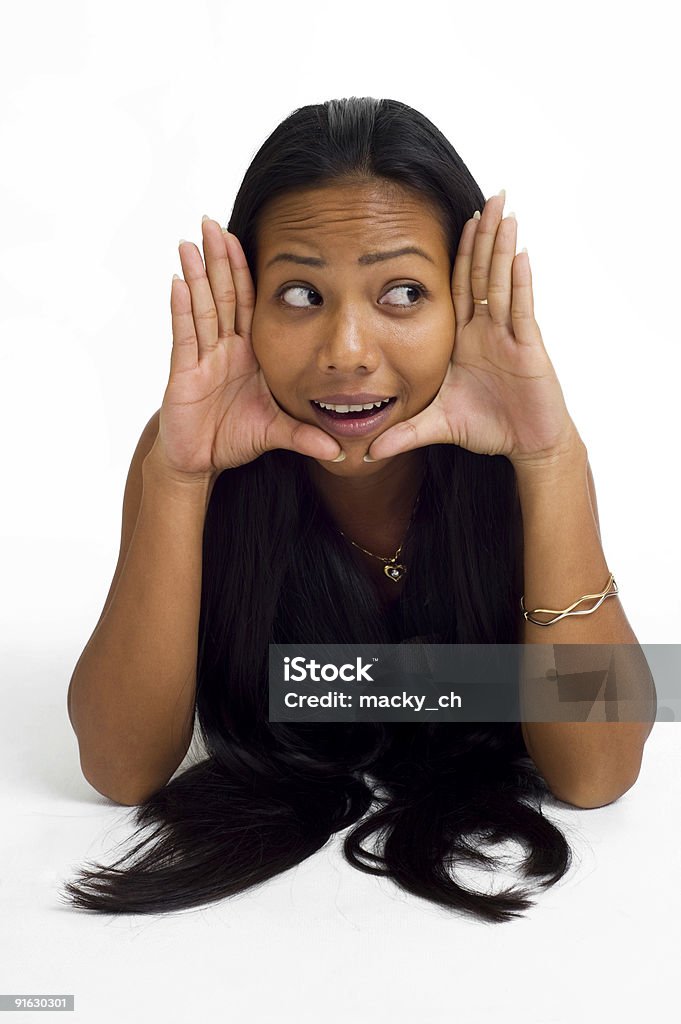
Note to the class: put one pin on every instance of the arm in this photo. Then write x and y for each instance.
(587, 763)
(132, 694)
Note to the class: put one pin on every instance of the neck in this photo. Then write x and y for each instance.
(373, 504)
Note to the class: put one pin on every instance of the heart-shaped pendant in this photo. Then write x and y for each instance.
(394, 572)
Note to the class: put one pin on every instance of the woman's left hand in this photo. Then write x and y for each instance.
(500, 394)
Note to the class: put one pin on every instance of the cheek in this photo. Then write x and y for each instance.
(436, 343)
(274, 352)
(448, 317)
(446, 331)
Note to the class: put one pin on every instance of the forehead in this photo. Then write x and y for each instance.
(347, 216)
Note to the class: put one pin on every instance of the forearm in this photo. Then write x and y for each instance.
(588, 763)
(133, 691)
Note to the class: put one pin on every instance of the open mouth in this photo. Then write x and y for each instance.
(362, 414)
(350, 424)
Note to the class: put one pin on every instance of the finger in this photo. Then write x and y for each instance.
(525, 327)
(219, 276)
(286, 432)
(430, 426)
(203, 307)
(461, 275)
(499, 287)
(483, 246)
(185, 353)
(245, 289)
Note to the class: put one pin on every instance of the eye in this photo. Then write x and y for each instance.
(419, 289)
(300, 288)
(304, 290)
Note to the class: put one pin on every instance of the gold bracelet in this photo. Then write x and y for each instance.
(568, 611)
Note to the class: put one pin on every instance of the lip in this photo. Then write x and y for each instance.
(353, 428)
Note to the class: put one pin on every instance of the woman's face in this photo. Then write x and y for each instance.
(328, 320)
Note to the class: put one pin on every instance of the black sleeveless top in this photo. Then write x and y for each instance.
(392, 618)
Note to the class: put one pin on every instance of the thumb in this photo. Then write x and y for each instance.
(304, 438)
(428, 427)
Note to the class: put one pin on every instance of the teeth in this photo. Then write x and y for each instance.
(352, 408)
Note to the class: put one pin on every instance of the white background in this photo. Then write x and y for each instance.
(120, 126)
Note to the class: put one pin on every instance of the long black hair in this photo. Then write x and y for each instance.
(270, 794)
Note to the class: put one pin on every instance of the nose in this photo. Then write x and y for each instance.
(348, 343)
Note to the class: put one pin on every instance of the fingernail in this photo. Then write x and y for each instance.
(476, 215)
(367, 458)
(181, 242)
(205, 217)
(502, 192)
(511, 215)
(339, 458)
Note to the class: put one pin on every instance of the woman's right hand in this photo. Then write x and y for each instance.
(217, 411)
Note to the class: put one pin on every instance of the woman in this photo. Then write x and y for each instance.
(362, 264)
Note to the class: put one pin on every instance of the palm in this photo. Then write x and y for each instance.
(498, 397)
(221, 399)
(249, 420)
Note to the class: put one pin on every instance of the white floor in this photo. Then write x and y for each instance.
(324, 942)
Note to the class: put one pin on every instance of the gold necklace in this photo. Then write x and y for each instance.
(393, 569)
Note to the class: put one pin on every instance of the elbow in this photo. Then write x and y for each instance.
(120, 790)
(118, 779)
(118, 795)
(588, 797)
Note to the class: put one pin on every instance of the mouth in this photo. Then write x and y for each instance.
(353, 424)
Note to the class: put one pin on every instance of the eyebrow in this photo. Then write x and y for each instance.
(368, 258)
